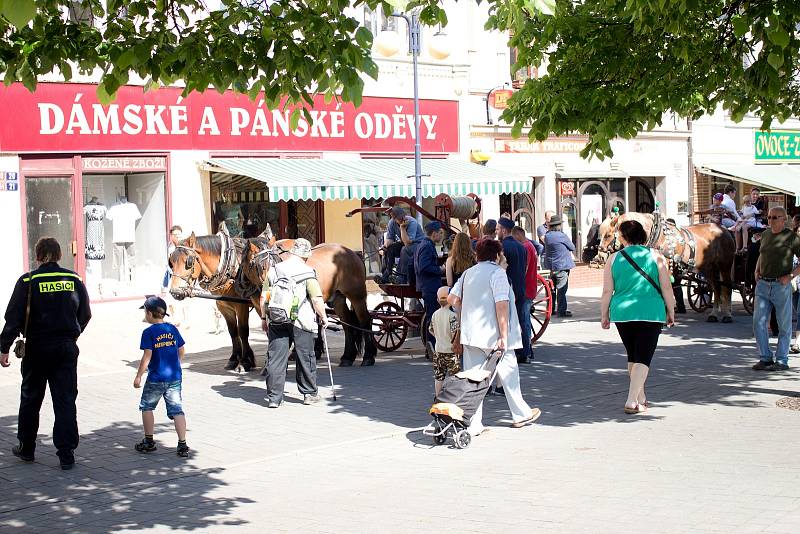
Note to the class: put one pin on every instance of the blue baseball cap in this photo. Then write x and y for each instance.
(154, 304)
(506, 223)
(433, 226)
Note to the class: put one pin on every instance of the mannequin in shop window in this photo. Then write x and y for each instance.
(123, 216)
(95, 249)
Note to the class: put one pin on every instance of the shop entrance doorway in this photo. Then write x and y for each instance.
(49, 204)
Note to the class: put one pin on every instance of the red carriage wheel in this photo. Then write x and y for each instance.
(391, 329)
(699, 294)
(542, 307)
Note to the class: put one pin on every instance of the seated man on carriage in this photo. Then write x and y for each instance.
(402, 237)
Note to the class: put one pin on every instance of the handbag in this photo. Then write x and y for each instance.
(458, 347)
(19, 346)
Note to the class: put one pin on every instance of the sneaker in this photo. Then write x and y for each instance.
(66, 460)
(182, 450)
(310, 399)
(20, 452)
(762, 365)
(794, 349)
(273, 404)
(778, 367)
(146, 445)
(565, 314)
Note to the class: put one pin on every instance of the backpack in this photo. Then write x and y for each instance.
(285, 296)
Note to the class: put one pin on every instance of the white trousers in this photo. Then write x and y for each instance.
(508, 374)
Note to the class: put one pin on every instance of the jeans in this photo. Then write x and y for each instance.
(524, 316)
(779, 296)
(154, 391)
(56, 365)
(508, 375)
(280, 335)
(561, 281)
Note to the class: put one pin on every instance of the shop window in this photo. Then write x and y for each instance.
(245, 214)
(373, 232)
(126, 244)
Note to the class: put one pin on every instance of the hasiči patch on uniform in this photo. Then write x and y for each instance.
(60, 285)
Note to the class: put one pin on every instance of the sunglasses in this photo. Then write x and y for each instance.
(774, 217)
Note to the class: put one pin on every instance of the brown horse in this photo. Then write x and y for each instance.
(705, 248)
(342, 277)
(212, 262)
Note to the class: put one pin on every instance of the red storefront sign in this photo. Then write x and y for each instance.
(68, 118)
(127, 164)
(567, 189)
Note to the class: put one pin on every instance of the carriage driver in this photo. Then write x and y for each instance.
(307, 311)
(405, 234)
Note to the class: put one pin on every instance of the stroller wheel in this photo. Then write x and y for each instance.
(462, 439)
(441, 439)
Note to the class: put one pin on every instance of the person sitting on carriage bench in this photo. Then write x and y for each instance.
(429, 274)
(292, 284)
(403, 228)
(773, 274)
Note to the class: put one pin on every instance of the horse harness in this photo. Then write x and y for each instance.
(228, 265)
(677, 242)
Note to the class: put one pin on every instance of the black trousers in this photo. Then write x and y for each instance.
(280, 336)
(57, 365)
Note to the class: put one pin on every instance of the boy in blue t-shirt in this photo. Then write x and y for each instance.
(163, 351)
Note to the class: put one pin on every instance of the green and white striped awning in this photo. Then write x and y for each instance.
(320, 179)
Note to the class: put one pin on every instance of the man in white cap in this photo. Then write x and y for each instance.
(292, 307)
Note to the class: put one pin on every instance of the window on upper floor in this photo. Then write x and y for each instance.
(81, 12)
(521, 75)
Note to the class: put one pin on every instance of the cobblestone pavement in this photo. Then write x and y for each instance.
(713, 453)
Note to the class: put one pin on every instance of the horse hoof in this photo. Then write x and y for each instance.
(727, 319)
(231, 365)
(712, 319)
(367, 362)
(346, 363)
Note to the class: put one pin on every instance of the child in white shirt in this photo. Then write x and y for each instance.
(747, 221)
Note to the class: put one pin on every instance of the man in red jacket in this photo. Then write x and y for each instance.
(526, 353)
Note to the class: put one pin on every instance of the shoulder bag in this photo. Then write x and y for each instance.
(458, 347)
(19, 346)
(642, 272)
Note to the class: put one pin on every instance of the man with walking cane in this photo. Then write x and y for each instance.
(292, 310)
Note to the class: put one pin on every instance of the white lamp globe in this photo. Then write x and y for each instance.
(387, 43)
(439, 47)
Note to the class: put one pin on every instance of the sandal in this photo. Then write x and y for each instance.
(639, 408)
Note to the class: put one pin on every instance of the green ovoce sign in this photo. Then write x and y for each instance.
(777, 147)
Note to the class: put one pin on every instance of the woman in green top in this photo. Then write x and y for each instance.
(637, 296)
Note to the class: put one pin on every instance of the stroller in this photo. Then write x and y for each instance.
(459, 399)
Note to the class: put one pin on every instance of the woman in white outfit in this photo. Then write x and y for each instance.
(488, 323)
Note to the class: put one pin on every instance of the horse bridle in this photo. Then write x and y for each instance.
(192, 256)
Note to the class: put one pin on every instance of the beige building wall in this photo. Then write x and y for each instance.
(340, 229)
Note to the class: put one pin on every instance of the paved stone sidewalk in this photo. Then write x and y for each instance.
(713, 454)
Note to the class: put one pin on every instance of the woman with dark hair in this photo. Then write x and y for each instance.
(488, 323)
(637, 296)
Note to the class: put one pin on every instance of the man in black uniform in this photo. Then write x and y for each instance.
(58, 314)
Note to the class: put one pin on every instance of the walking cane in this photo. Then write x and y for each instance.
(328, 356)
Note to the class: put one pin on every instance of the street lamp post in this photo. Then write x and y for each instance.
(414, 48)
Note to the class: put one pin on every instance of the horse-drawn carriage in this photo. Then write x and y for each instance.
(392, 318)
(702, 256)
(232, 270)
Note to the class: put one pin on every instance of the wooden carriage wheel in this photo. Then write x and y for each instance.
(542, 307)
(699, 294)
(391, 330)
